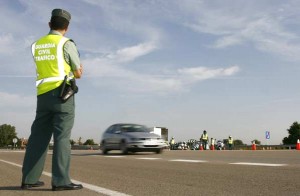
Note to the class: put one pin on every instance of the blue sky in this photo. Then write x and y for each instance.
(229, 67)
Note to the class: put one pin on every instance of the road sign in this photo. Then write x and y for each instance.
(267, 135)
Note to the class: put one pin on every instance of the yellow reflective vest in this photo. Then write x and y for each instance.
(204, 137)
(172, 141)
(51, 67)
(230, 141)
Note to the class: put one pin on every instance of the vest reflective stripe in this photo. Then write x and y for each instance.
(52, 79)
(51, 66)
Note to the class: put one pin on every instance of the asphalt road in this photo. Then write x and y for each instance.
(169, 173)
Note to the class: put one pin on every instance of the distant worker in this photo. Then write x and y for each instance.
(230, 142)
(172, 144)
(204, 139)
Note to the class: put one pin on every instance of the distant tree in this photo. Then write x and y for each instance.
(256, 141)
(79, 141)
(89, 142)
(294, 134)
(72, 142)
(7, 134)
(238, 142)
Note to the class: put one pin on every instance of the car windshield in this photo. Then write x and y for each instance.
(133, 128)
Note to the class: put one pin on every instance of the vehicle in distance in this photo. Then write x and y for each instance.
(130, 138)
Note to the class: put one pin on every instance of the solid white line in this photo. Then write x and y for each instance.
(148, 158)
(189, 161)
(115, 156)
(85, 185)
(259, 164)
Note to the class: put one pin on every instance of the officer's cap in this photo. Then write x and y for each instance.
(62, 13)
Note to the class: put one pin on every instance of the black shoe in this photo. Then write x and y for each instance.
(71, 186)
(29, 186)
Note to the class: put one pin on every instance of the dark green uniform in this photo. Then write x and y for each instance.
(52, 117)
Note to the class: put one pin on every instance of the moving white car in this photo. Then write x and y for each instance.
(130, 138)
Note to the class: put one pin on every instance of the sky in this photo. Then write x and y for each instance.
(228, 67)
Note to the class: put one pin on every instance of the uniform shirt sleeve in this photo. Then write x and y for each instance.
(71, 55)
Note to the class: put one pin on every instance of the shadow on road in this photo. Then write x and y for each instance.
(18, 188)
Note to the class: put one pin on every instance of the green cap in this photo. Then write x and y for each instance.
(61, 13)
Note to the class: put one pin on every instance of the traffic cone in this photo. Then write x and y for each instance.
(201, 147)
(298, 145)
(253, 145)
(212, 147)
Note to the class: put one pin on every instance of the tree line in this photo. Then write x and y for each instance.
(8, 133)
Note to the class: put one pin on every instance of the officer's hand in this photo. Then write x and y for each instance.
(77, 73)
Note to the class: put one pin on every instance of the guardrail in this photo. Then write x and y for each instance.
(264, 147)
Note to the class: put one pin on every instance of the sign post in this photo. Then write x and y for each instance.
(268, 136)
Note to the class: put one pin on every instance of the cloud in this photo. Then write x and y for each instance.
(262, 25)
(114, 70)
(12, 101)
(6, 43)
(131, 53)
(204, 73)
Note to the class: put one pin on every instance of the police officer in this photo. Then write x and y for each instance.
(230, 142)
(55, 57)
(204, 139)
(172, 144)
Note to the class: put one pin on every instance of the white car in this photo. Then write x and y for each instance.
(130, 138)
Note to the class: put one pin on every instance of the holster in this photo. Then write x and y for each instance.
(67, 90)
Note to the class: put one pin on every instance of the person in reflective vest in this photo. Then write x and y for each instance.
(230, 142)
(57, 62)
(172, 144)
(204, 139)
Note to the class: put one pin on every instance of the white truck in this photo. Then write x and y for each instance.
(161, 131)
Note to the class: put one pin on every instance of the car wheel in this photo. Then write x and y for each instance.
(104, 148)
(123, 147)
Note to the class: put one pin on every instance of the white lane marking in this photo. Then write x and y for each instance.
(259, 164)
(91, 187)
(115, 156)
(148, 158)
(188, 160)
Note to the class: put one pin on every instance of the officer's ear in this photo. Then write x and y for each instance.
(49, 25)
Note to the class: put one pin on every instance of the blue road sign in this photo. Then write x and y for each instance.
(267, 135)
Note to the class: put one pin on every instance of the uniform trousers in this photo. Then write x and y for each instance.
(52, 118)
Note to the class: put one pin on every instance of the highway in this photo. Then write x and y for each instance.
(170, 173)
